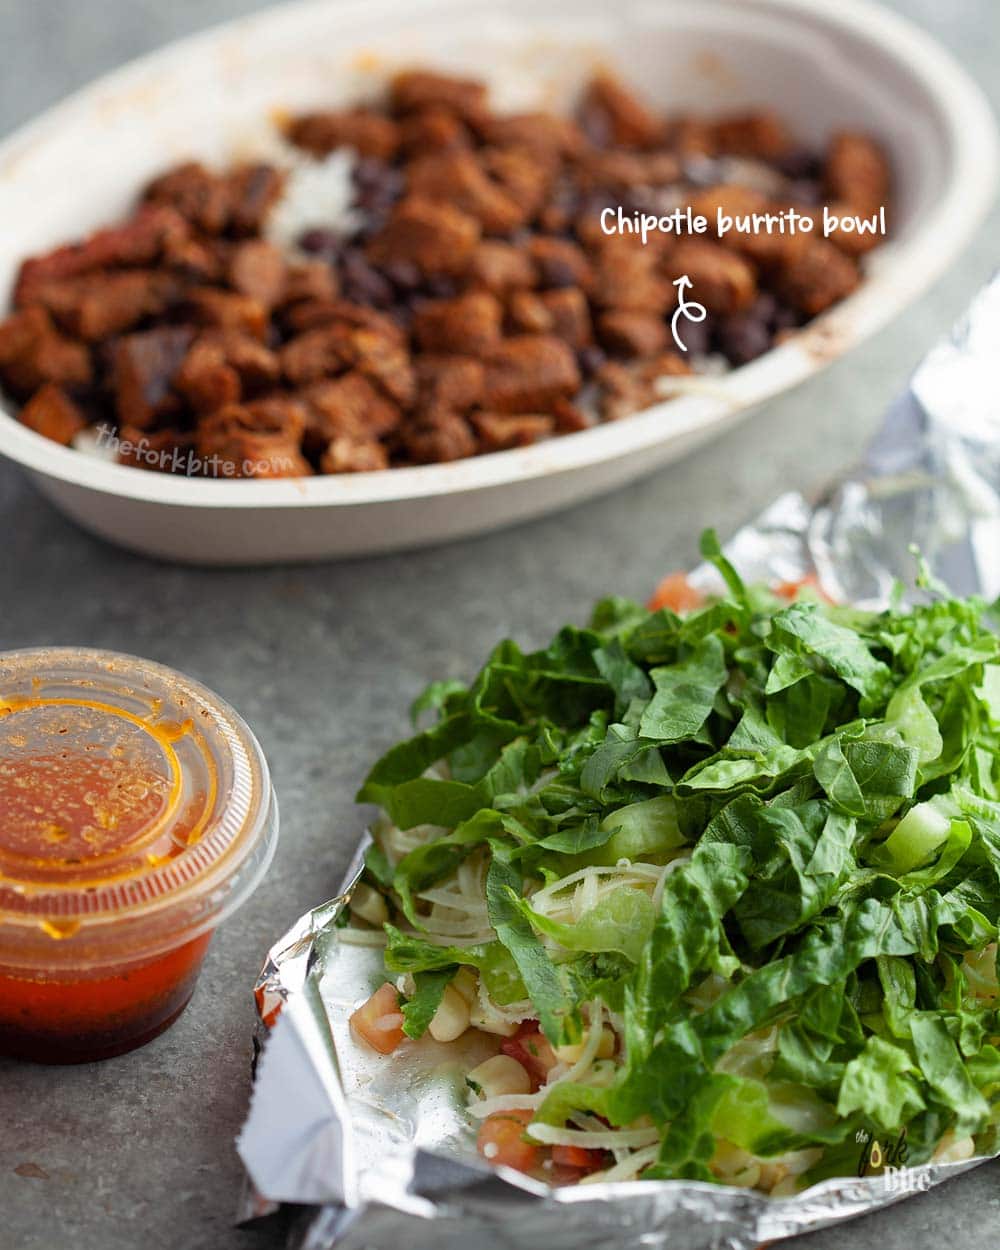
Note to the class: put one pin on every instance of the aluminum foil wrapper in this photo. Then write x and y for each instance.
(376, 1149)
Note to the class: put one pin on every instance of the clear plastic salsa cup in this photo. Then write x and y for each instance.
(136, 813)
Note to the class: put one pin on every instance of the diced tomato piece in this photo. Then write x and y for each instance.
(379, 1021)
(676, 593)
(502, 1140)
(790, 590)
(578, 1157)
(532, 1050)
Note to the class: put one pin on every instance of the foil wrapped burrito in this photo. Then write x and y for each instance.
(378, 1147)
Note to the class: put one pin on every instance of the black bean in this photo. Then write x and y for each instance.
(695, 335)
(805, 191)
(743, 338)
(553, 271)
(321, 242)
(363, 284)
(403, 274)
(800, 163)
(440, 286)
(764, 308)
(590, 360)
(786, 319)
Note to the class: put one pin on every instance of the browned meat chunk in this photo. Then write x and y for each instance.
(563, 312)
(139, 241)
(433, 130)
(611, 114)
(311, 280)
(349, 406)
(627, 278)
(254, 190)
(33, 352)
(164, 451)
(198, 195)
(224, 366)
(143, 368)
(457, 178)
(820, 277)
(413, 90)
(348, 455)
(720, 278)
(632, 333)
(259, 270)
(501, 267)
(627, 389)
(529, 373)
(499, 431)
(469, 324)
(261, 439)
(51, 413)
(98, 305)
(450, 382)
(368, 133)
(439, 436)
(560, 262)
(761, 135)
(541, 132)
(436, 238)
(313, 355)
(857, 172)
(229, 311)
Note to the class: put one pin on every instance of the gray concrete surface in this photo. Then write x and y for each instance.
(323, 660)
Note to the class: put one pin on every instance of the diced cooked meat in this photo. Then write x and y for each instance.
(626, 389)
(857, 172)
(349, 406)
(501, 267)
(143, 368)
(720, 278)
(560, 262)
(611, 114)
(563, 312)
(51, 413)
(198, 195)
(439, 436)
(254, 190)
(258, 270)
(417, 89)
(433, 129)
(528, 373)
(140, 241)
(97, 306)
(632, 333)
(450, 382)
(500, 430)
(457, 178)
(762, 135)
(436, 238)
(820, 277)
(228, 310)
(348, 455)
(469, 324)
(223, 366)
(368, 133)
(33, 352)
(261, 439)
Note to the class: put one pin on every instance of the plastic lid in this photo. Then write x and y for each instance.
(136, 808)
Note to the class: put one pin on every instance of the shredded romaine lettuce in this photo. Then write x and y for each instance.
(763, 837)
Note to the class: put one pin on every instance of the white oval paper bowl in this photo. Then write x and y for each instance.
(215, 96)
